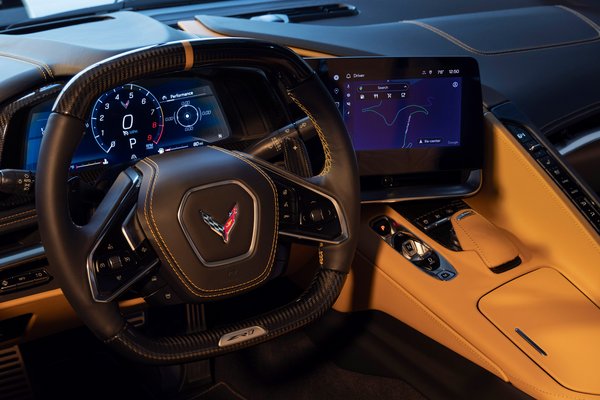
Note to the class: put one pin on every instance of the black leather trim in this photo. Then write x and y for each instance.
(505, 31)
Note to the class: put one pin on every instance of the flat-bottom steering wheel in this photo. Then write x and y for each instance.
(209, 219)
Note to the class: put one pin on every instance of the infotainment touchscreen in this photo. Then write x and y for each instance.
(403, 113)
(408, 115)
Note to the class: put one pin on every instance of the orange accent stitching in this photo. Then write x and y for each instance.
(328, 159)
(16, 215)
(18, 220)
(480, 251)
(169, 255)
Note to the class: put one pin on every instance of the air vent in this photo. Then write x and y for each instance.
(14, 383)
(303, 14)
(34, 26)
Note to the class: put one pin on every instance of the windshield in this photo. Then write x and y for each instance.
(43, 8)
(24, 11)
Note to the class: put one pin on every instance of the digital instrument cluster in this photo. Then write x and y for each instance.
(137, 120)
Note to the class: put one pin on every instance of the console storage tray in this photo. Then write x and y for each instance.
(554, 323)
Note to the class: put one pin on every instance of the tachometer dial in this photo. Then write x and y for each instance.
(127, 120)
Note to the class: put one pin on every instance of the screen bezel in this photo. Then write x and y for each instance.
(467, 156)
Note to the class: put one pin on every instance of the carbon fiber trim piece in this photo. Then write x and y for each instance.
(313, 303)
(78, 96)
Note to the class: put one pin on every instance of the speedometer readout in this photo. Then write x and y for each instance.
(127, 120)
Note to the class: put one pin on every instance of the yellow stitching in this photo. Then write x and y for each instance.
(180, 270)
(148, 212)
(328, 160)
(321, 255)
(514, 378)
(19, 220)
(466, 47)
(43, 68)
(480, 251)
(169, 256)
(16, 215)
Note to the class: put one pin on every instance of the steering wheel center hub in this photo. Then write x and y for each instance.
(220, 220)
(225, 240)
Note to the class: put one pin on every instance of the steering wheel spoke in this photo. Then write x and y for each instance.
(119, 254)
(307, 213)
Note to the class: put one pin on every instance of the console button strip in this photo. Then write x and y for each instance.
(24, 280)
(560, 175)
(415, 250)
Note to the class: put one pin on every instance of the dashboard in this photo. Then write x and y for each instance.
(416, 124)
(409, 118)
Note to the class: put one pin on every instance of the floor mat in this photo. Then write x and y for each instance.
(76, 365)
(292, 368)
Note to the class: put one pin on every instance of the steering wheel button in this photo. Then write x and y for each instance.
(316, 215)
(287, 218)
(115, 262)
(101, 266)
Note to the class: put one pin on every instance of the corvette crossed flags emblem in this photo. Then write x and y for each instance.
(222, 230)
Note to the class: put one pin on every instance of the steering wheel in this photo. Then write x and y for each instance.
(207, 218)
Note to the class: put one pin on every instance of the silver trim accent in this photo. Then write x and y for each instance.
(136, 181)
(589, 138)
(254, 223)
(126, 233)
(464, 214)
(22, 256)
(241, 335)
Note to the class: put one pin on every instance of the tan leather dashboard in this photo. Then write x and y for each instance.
(519, 198)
